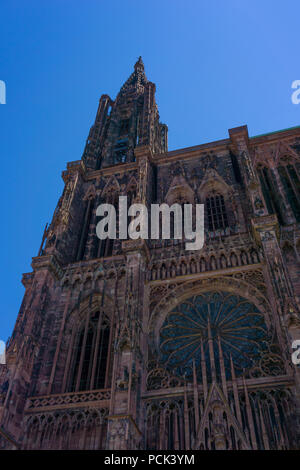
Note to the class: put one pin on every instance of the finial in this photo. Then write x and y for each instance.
(139, 65)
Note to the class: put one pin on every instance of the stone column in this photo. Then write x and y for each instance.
(286, 312)
(285, 208)
(25, 349)
(124, 420)
(240, 142)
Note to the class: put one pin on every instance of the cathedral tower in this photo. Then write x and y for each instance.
(121, 125)
(141, 344)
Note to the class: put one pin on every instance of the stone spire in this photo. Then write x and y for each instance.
(139, 65)
(137, 79)
(131, 120)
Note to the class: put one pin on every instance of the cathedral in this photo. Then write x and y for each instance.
(126, 344)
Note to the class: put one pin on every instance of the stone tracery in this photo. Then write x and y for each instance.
(160, 306)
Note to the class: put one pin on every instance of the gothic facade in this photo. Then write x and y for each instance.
(142, 344)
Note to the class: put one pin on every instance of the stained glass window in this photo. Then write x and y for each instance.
(228, 319)
(91, 355)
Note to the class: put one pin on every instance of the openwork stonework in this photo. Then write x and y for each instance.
(142, 344)
(214, 326)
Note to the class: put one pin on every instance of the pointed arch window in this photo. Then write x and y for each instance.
(120, 151)
(290, 181)
(90, 203)
(181, 200)
(124, 127)
(131, 195)
(91, 354)
(105, 247)
(216, 212)
(269, 191)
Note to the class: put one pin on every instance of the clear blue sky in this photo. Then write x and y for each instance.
(217, 64)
